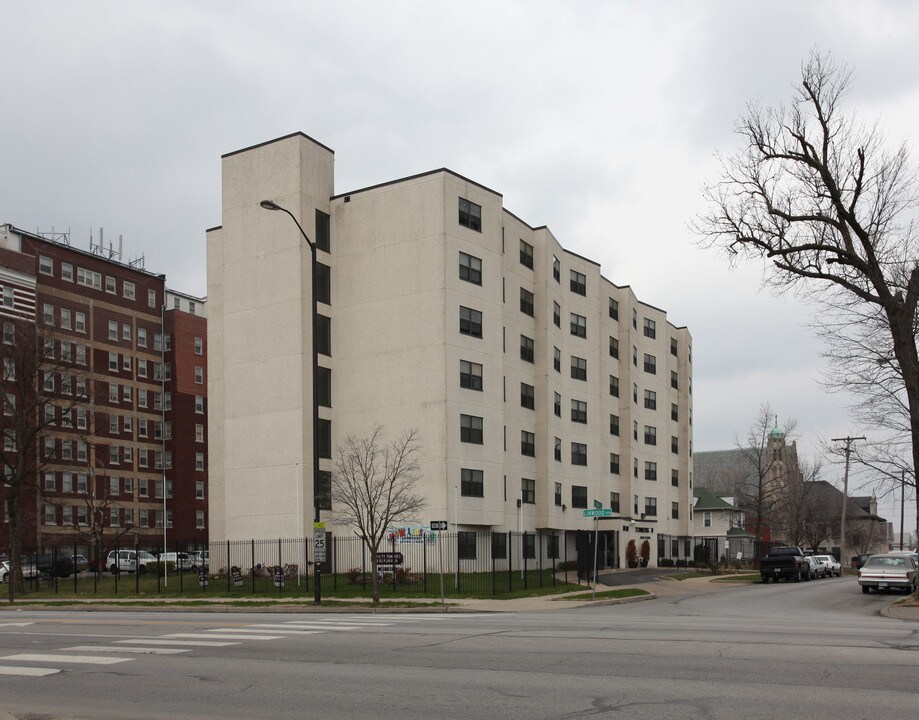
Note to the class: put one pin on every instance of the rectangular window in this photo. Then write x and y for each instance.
(199, 346)
(470, 322)
(674, 444)
(578, 411)
(470, 215)
(325, 438)
(527, 443)
(675, 477)
(465, 545)
(472, 483)
(141, 337)
(113, 392)
(9, 333)
(556, 314)
(127, 289)
(528, 491)
(323, 286)
(470, 268)
(578, 496)
(558, 449)
(81, 354)
(111, 285)
(634, 318)
(529, 546)
(199, 519)
(45, 265)
(526, 254)
(470, 375)
(614, 386)
(578, 325)
(67, 272)
(614, 309)
(323, 231)
(650, 435)
(650, 328)
(650, 400)
(526, 349)
(707, 518)
(556, 269)
(199, 404)
(578, 453)
(673, 347)
(126, 331)
(199, 461)
(578, 283)
(112, 330)
(126, 363)
(557, 360)
(526, 302)
(48, 314)
(114, 454)
(674, 412)
(557, 405)
(65, 319)
(199, 375)
(199, 490)
(614, 502)
(498, 546)
(471, 429)
(324, 335)
(151, 298)
(558, 494)
(199, 433)
(113, 362)
(674, 380)
(651, 507)
(614, 425)
(614, 347)
(79, 324)
(614, 463)
(675, 510)
(650, 470)
(113, 425)
(650, 364)
(578, 368)
(126, 393)
(527, 396)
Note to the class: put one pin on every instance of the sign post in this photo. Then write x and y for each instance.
(440, 526)
(598, 512)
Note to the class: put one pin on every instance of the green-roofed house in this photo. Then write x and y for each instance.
(719, 523)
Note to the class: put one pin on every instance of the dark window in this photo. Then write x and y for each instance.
(650, 364)
(471, 483)
(614, 347)
(471, 429)
(650, 435)
(674, 412)
(558, 449)
(675, 510)
(527, 396)
(578, 453)
(578, 283)
(634, 356)
(552, 547)
(557, 314)
(651, 506)
(470, 268)
(324, 386)
(526, 302)
(526, 348)
(578, 496)
(674, 381)
(323, 232)
(323, 283)
(325, 438)
(674, 444)
(635, 430)
(324, 495)
(650, 400)
(526, 254)
(614, 463)
(650, 470)
(558, 494)
(470, 375)
(556, 270)
(527, 443)
(635, 393)
(614, 425)
(614, 386)
(650, 328)
(465, 545)
(578, 325)
(578, 368)
(470, 322)
(578, 411)
(673, 346)
(675, 478)
(498, 546)
(470, 215)
(528, 491)
(557, 360)
(614, 502)
(323, 335)
(634, 318)
(557, 406)
(614, 309)
(529, 546)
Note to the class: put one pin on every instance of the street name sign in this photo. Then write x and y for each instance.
(601, 512)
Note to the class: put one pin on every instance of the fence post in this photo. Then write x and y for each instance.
(539, 555)
(229, 565)
(252, 567)
(526, 565)
(424, 563)
(393, 549)
(334, 563)
(565, 543)
(76, 572)
(280, 570)
(494, 565)
(510, 561)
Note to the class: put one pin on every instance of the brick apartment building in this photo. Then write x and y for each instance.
(121, 456)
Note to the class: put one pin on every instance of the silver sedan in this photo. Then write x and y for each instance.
(886, 572)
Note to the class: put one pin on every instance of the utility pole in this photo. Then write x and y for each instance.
(902, 504)
(845, 498)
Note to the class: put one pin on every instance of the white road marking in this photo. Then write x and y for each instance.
(272, 630)
(226, 636)
(160, 641)
(25, 624)
(31, 671)
(75, 659)
(139, 650)
(311, 626)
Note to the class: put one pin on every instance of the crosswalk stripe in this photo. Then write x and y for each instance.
(225, 636)
(139, 650)
(313, 626)
(30, 671)
(75, 659)
(276, 631)
(160, 641)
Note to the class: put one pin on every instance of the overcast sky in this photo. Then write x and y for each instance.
(598, 119)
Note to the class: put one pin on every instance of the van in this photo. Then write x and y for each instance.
(139, 561)
(179, 560)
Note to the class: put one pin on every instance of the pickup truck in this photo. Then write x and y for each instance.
(787, 563)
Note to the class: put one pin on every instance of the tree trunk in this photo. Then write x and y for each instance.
(904, 348)
(376, 577)
(16, 585)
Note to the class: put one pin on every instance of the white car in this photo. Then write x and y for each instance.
(29, 571)
(130, 561)
(833, 568)
(180, 561)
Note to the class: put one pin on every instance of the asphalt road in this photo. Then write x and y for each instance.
(819, 650)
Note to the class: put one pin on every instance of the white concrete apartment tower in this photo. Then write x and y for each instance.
(538, 386)
(259, 284)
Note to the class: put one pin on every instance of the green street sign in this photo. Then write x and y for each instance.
(599, 512)
(597, 504)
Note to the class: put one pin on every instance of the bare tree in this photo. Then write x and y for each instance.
(807, 520)
(762, 481)
(373, 488)
(34, 409)
(830, 209)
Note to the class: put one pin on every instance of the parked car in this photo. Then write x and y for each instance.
(785, 562)
(886, 572)
(199, 559)
(130, 561)
(833, 567)
(818, 567)
(80, 562)
(60, 566)
(180, 561)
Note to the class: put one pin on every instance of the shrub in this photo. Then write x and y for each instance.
(631, 554)
(355, 575)
(681, 563)
(645, 553)
(665, 562)
(566, 565)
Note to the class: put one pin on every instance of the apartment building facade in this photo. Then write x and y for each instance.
(111, 461)
(538, 385)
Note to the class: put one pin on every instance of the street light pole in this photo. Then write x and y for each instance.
(317, 574)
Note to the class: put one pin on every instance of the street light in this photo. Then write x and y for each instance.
(317, 575)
